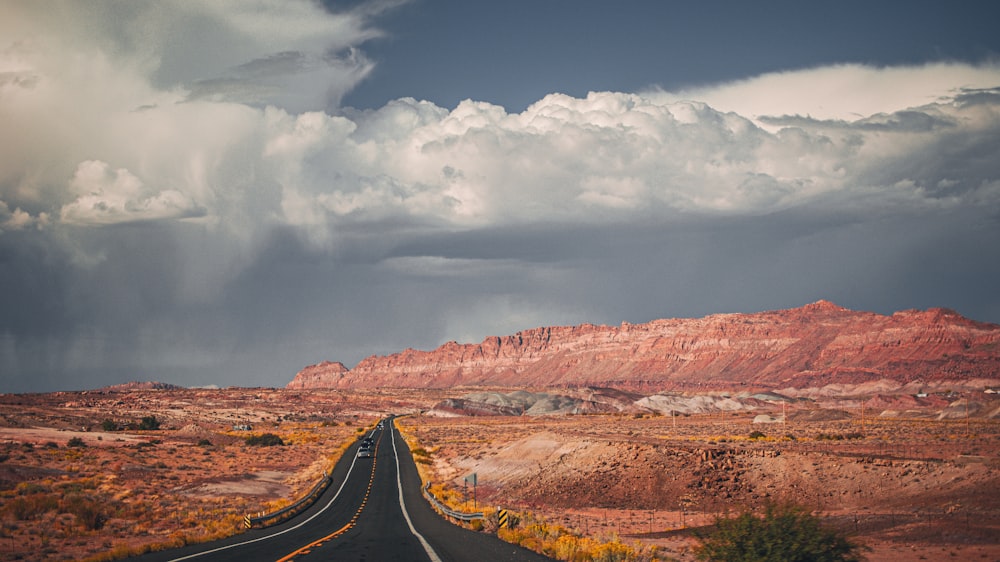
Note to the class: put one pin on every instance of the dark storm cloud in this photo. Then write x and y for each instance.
(974, 96)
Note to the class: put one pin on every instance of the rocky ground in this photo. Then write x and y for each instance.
(910, 489)
(70, 488)
(917, 480)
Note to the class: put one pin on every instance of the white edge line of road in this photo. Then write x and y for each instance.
(315, 515)
(399, 485)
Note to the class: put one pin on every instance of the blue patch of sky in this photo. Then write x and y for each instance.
(515, 52)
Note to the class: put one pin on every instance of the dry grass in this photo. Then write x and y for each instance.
(66, 493)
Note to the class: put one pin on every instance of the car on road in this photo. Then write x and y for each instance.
(365, 453)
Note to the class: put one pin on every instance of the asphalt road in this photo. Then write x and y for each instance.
(373, 511)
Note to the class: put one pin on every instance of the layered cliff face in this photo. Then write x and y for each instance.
(323, 375)
(816, 345)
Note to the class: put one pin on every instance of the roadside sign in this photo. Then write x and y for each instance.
(503, 518)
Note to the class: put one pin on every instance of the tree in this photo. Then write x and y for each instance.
(149, 422)
(784, 533)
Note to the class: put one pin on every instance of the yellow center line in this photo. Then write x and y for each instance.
(307, 548)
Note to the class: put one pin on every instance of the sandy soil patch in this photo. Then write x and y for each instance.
(42, 435)
(268, 483)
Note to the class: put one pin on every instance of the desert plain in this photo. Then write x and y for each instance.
(910, 479)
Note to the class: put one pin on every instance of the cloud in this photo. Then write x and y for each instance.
(167, 91)
(19, 219)
(621, 157)
(841, 92)
(180, 195)
(107, 196)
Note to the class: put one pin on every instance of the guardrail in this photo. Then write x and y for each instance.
(268, 519)
(461, 516)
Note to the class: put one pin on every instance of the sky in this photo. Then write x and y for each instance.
(222, 193)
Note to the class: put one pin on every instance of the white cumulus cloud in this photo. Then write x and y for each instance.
(107, 196)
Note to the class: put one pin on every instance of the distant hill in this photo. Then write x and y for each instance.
(817, 345)
(141, 385)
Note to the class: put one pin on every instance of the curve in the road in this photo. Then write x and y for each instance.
(294, 527)
(384, 519)
(350, 524)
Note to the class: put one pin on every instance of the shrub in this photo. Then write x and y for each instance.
(23, 508)
(76, 442)
(88, 511)
(27, 488)
(757, 435)
(109, 425)
(838, 436)
(264, 440)
(782, 534)
(149, 422)
(612, 552)
(421, 456)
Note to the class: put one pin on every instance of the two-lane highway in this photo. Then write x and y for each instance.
(373, 511)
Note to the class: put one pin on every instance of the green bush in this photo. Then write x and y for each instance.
(76, 442)
(838, 436)
(784, 533)
(264, 440)
(109, 425)
(149, 422)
